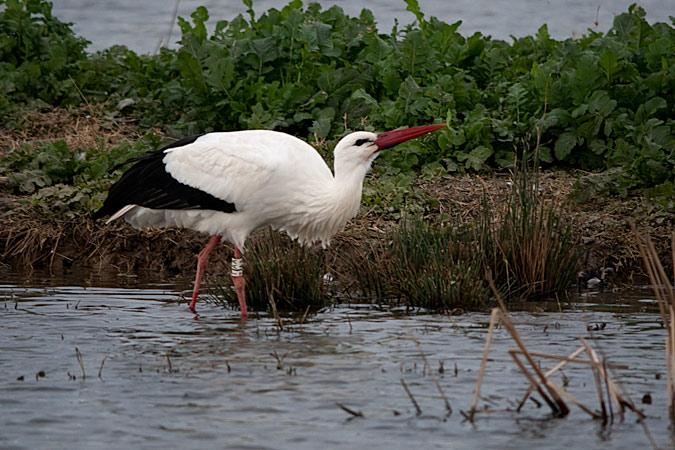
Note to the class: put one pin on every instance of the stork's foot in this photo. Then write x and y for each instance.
(193, 310)
(240, 289)
(202, 262)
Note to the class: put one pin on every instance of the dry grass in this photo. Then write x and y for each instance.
(551, 393)
(521, 238)
(87, 127)
(602, 225)
(664, 290)
(526, 243)
(29, 242)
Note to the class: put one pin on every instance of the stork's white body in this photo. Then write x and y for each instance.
(228, 184)
(274, 179)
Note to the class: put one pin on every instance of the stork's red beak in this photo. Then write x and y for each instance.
(391, 138)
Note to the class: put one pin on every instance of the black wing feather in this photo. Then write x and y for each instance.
(148, 184)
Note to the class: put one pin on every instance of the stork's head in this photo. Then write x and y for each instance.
(358, 150)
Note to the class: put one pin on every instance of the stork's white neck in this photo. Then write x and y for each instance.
(328, 207)
(346, 190)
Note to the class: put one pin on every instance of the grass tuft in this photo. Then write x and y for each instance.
(277, 269)
(531, 251)
(423, 265)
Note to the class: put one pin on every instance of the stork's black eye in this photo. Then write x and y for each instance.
(360, 142)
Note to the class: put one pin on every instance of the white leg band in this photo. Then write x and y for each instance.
(237, 267)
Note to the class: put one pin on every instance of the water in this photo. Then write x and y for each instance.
(169, 381)
(141, 26)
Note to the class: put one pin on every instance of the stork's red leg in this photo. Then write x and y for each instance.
(202, 262)
(239, 282)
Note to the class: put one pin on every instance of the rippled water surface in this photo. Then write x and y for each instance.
(157, 378)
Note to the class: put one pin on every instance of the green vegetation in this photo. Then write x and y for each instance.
(54, 179)
(39, 56)
(601, 103)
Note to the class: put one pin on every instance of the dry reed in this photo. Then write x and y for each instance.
(664, 290)
(552, 394)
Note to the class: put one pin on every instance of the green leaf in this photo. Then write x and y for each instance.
(361, 94)
(199, 17)
(191, 71)
(609, 64)
(545, 155)
(323, 122)
(416, 50)
(476, 158)
(450, 165)
(557, 117)
(220, 73)
(652, 105)
(414, 7)
(564, 145)
(318, 38)
(265, 51)
(601, 103)
(249, 9)
(413, 97)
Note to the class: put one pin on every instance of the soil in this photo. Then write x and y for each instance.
(29, 241)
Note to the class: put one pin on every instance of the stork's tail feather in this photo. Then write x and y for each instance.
(103, 212)
(120, 213)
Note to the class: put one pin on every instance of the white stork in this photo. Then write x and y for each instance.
(228, 184)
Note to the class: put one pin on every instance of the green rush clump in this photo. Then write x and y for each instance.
(280, 271)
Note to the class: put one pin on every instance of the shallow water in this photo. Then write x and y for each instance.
(169, 381)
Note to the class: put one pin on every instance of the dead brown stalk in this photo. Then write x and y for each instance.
(664, 290)
(448, 408)
(548, 374)
(556, 403)
(412, 399)
(549, 391)
(570, 359)
(80, 361)
(493, 320)
(553, 399)
(277, 318)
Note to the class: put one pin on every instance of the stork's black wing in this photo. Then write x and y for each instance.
(148, 184)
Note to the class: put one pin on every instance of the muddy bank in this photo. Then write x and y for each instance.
(34, 240)
(602, 228)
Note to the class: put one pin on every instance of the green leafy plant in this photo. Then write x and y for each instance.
(39, 55)
(53, 177)
(601, 103)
